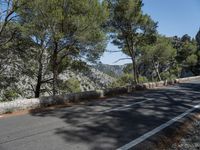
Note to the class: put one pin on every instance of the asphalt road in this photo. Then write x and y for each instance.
(98, 124)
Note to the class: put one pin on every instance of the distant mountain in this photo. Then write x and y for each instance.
(111, 70)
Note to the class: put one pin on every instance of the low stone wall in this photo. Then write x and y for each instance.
(115, 91)
(22, 104)
(7, 107)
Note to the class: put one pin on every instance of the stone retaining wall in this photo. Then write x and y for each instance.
(22, 104)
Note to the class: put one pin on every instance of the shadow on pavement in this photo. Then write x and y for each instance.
(110, 130)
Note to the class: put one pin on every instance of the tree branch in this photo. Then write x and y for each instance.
(108, 51)
(122, 59)
(47, 81)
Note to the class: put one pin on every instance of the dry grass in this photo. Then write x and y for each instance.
(173, 135)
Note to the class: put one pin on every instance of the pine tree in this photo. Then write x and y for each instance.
(70, 30)
(160, 56)
(131, 28)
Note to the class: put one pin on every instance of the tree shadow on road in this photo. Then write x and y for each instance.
(91, 125)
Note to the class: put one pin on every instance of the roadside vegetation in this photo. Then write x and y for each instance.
(190, 140)
(42, 41)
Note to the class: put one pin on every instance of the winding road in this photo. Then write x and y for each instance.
(119, 122)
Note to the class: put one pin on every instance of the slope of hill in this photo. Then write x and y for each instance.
(90, 80)
(97, 77)
(111, 70)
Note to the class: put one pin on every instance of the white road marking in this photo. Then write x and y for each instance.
(125, 106)
(1, 116)
(156, 130)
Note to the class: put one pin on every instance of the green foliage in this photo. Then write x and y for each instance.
(128, 68)
(72, 85)
(168, 76)
(173, 72)
(123, 80)
(58, 35)
(73, 24)
(192, 60)
(67, 31)
(186, 50)
(198, 38)
(195, 68)
(127, 79)
(132, 28)
(161, 52)
(143, 79)
(9, 95)
(187, 53)
(159, 55)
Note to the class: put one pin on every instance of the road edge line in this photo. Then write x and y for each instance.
(156, 130)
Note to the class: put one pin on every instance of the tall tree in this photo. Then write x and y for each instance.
(8, 28)
(132, 28)
(198, 38)
(70, 30)
(197, 67)
(160, 56)
(7, 18)
(12, 46)
(187, 55)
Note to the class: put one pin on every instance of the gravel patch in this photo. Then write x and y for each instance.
(191, 141)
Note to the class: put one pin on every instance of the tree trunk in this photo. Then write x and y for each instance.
(134, 71)
(38, 86)
(39, 76)
(132, 52)
(55, 69)
(157, 71)
(137, 73)
(159, 77)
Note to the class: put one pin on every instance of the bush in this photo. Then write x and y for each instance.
(72, 86)
(123, 80)
(192, 60)
(143, 79)
(9, 95)
(168, 76)
(127, 79)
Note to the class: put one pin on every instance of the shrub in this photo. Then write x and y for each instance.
(143, 79)
(168, 76)
(123, 80)
(9, 95)
(72, 85)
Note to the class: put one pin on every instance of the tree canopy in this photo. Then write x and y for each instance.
(41, 42)
(132, 28)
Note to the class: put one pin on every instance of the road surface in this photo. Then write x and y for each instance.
(114, 123)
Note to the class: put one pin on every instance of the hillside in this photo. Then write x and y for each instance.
(90, 80)
(111, 70)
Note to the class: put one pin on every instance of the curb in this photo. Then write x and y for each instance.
(34, 103)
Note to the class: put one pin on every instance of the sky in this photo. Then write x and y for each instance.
(174, 17)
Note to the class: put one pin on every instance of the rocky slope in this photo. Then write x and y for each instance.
(23, 86)
(111, 70)
(91, 80)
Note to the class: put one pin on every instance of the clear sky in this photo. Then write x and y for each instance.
(174, 17)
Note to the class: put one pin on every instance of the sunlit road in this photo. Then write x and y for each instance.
(99, 124)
